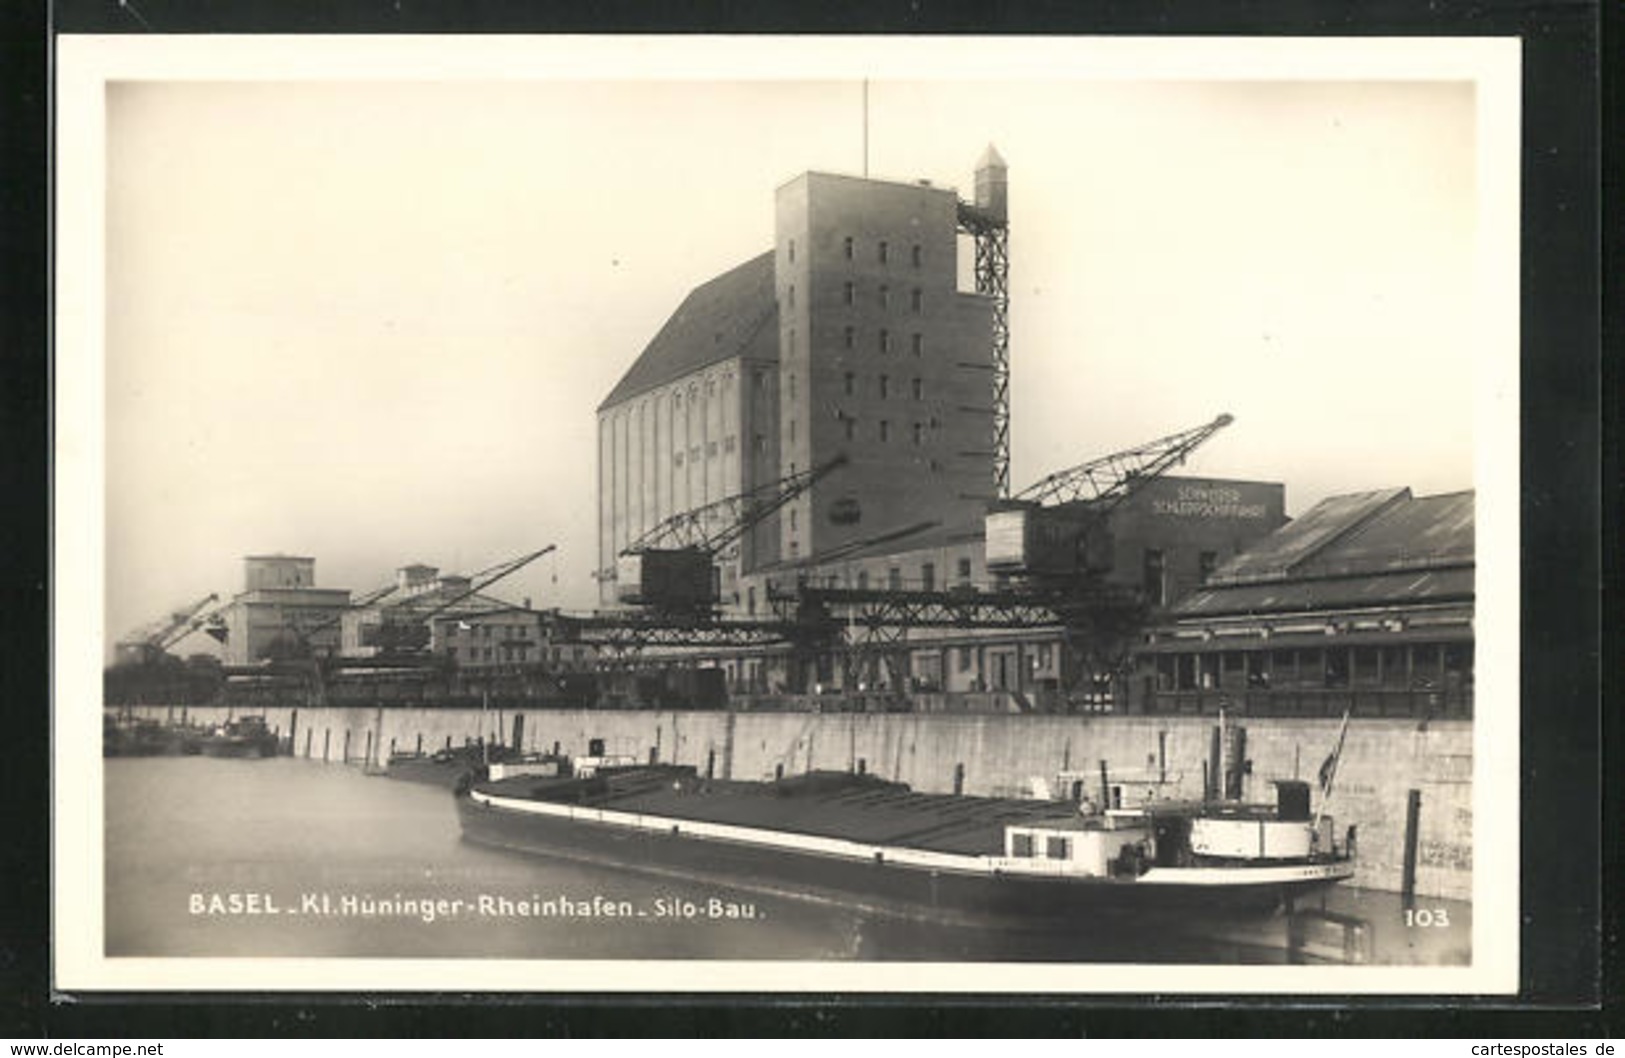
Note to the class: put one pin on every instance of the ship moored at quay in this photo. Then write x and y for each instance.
(879, 846)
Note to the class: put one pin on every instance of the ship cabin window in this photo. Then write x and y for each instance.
(848, 293)
(1058, 848)
(1021, 845)
(846, 247)
(928, 576)
(916, 254)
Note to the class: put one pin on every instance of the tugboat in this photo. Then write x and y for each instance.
(879, 846)
(246, 736)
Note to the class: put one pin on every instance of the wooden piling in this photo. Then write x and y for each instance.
(1413, 820)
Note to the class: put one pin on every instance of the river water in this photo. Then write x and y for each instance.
(289, 857)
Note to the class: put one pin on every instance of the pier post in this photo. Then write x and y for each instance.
(308, 734)
(420, 744)
(327, 742)
(1213, 787)
(346, 759)
(368, 758)
(959, 778)
(1413, 819)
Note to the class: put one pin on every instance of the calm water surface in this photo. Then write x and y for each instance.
(199, 852)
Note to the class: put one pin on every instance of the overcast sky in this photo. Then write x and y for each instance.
(371, 322)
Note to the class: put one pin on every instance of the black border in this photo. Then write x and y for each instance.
(1564, 935)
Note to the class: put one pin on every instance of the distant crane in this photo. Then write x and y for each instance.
(406, 627)
(672, 567)
(152, 643)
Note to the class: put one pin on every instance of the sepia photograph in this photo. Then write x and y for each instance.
(787, 514)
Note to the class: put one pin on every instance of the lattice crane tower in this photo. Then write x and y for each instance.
(987, 221)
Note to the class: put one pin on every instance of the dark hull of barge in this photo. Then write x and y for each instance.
(876, 886)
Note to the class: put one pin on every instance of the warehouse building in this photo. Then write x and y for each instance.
(1364, 604)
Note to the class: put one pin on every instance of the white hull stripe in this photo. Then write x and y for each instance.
(839, 848)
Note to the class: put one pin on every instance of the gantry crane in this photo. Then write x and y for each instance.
(1056, 526)
(1048, 547)
(672, 567)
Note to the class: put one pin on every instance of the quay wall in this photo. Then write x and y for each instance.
(1382, 761)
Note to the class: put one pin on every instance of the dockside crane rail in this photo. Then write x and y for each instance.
(1107, 481)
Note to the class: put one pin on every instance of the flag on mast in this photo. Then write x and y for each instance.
(1328, 770)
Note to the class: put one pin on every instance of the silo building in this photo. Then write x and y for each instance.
(849, 337)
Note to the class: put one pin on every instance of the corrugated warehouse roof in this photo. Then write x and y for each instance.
(1276, 556)
(733, 315)
(1425, 532)
(1360, 591)
(1361, 550)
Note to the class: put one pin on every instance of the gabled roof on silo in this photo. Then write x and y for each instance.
(733, 315)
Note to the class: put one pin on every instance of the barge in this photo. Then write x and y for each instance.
(877, 846)
(247, 736)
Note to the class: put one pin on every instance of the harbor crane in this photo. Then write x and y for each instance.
(405, 628)
(672, 567)
(1055, 528)
(153, 642)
